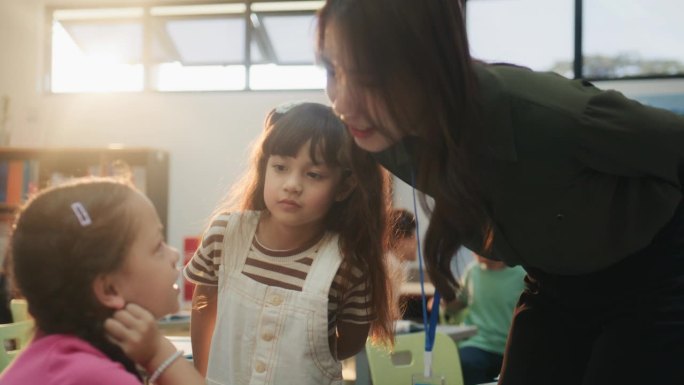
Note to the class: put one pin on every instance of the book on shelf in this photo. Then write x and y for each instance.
(4, 169)
(18, 180)
(15, 178)
(19, 177)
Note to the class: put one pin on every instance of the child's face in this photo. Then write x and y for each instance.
(298, 192)
(149, 274)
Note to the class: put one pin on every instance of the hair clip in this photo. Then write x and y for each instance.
(81, 214)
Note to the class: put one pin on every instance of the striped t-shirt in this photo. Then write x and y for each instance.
(287, 270)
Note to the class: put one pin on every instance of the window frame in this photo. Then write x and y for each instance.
(265, 45)
(578, 58)
(147, 20)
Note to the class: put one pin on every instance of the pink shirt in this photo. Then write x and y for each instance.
(59, 359)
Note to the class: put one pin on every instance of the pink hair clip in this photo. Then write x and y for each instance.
(81, 214)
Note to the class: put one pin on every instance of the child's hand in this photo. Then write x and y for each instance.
(135, 330)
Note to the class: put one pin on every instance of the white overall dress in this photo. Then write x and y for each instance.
(271, 335)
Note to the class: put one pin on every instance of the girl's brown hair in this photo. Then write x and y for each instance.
(54, 259)
(360, 220)
(412, 57)
(402, 225)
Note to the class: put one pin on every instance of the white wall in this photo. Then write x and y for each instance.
(206, 134)
(20, 56)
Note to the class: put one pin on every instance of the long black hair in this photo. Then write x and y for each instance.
(412, 57)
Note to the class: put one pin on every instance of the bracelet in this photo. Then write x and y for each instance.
(157, 373)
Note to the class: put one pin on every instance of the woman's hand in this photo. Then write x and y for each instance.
(135, 330)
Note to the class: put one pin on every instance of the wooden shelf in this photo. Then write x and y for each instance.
(148, 167)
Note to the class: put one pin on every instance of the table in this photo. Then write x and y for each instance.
(182, 343)
(457, 332)
(413, 289)
(175, 324)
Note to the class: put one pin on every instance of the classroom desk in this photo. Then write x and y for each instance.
(457, 332)
(413, 289)
(182, 343)
(176, 328)
(176, 324)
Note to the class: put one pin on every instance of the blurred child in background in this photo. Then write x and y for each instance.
(488, 297)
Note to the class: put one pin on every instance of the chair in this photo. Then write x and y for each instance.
(453, 318)
(19, 309)
(13, 338)
(397, 368)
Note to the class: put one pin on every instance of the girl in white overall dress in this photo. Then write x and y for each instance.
(284, 333)
(291, 276)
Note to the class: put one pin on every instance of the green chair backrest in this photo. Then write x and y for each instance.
(19, 309)
(13, 338)
(455, 318)
(398, 367)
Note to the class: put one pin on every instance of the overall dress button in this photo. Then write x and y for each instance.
(267, 336)
(260, 367)
(276, 300)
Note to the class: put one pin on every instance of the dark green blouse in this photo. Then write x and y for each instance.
(581, 178)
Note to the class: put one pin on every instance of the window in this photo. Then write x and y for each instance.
(97, 50)
(269, 45)
(633, 38)
(515, 31)
(283, 47)
(619, 38)
(199, 47)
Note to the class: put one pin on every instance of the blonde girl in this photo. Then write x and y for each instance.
(90, 258)
(290, 274)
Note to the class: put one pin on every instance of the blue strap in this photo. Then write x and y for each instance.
(434, 314)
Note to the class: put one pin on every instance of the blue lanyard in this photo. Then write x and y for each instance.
(431, 325)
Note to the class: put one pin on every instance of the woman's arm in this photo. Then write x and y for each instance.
(202, 323)
(622, 137)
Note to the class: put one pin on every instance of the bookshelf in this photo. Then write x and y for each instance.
(26, 170)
